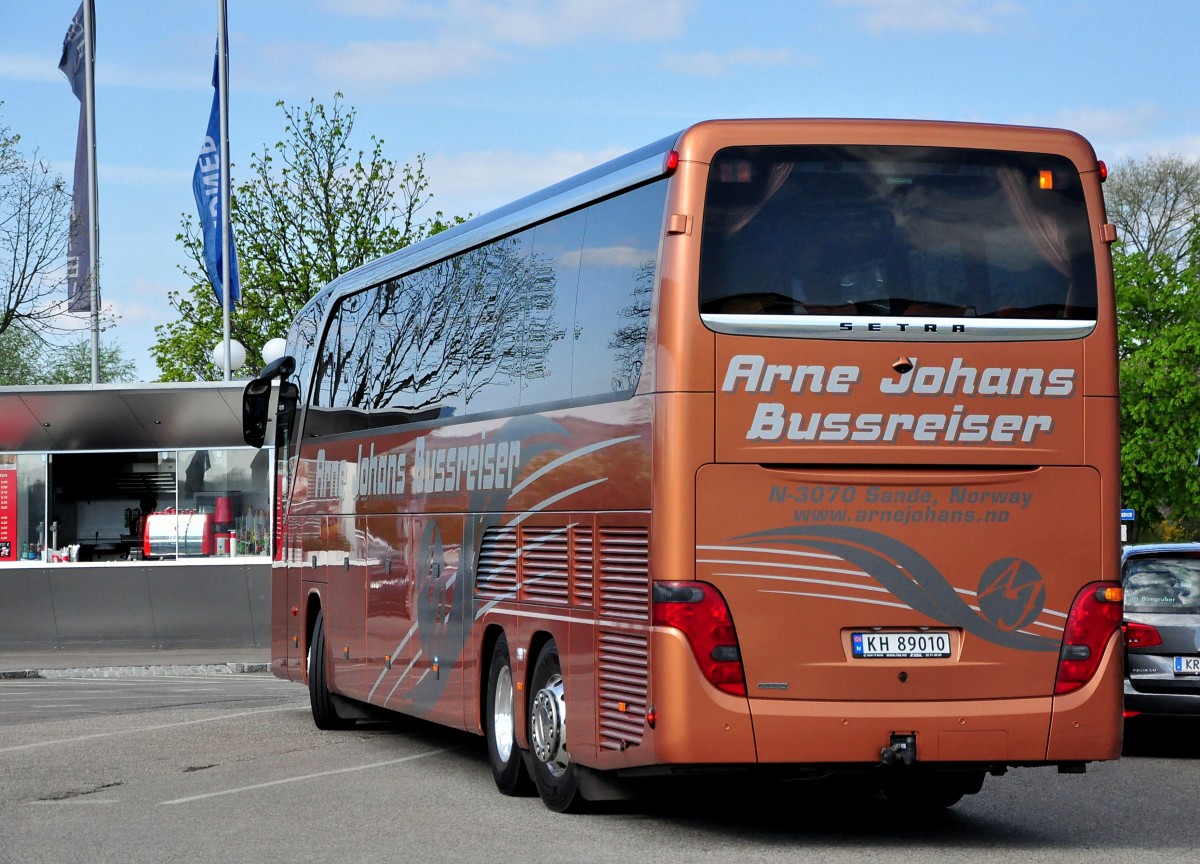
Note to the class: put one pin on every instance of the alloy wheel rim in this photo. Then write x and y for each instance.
(502, 715)
(549, 727)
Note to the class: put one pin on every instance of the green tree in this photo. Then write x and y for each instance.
(1158, 301)
(312, 209)
(22, 357)
(26, 359)
(1153, 202)
(72, 363)
(35, 225)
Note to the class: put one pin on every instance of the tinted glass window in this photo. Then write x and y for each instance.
(546, 343)
(449, 338)
(342, 373)
(555, 312)
(616, 280)
(895, 231)
(302, 341)
(1162, 584)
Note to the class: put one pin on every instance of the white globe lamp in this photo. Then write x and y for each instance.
(237, 355)
(273, 350)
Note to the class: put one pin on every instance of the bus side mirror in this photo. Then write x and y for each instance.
(258, 398)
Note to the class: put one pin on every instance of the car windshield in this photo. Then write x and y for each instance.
(1162, 584)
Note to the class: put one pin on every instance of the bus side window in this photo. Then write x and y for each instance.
(616, 284)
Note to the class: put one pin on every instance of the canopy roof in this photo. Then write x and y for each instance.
(121, 417)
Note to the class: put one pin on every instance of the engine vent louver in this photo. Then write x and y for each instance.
(625, 573)
(496, 578)
(623, 673)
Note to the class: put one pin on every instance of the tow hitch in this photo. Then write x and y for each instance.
(901, 751)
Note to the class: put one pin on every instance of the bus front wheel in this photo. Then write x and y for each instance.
(553, 771)
(508, 766)
(324, 712)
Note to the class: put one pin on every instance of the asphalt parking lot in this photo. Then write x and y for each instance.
(229, 767)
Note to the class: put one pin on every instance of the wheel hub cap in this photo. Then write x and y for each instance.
(548, 726)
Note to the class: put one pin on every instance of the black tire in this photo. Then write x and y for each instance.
(554, 772)
(499, 726)
(324, 712)
(930, 792)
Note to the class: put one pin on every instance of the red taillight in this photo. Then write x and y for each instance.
(1103, 172)
(1095, 616)
(670, 161)
(699, 610)
(1141, 635)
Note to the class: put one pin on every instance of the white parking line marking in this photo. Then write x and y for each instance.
(37, 744)
(304, 777)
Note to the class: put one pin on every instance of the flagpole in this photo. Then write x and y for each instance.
(223, 90)
(89, 25)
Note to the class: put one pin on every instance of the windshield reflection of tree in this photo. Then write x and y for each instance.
(442, 335)
(629, 340)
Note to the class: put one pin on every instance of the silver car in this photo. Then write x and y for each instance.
(1162, 629)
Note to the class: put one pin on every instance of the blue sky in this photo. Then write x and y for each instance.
(504, 98)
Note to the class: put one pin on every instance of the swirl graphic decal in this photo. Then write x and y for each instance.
(1011, 591)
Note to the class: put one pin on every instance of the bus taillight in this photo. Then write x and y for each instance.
(1095, 616)
(699, 610)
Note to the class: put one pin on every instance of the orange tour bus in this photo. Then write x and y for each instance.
(782, 445)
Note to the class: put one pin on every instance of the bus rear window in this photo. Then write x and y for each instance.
(1163, 584)
(895, 231)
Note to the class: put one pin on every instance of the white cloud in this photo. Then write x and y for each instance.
(395, 63)
(623, 257)
(378, 8)
(558, 22)
(533, 22)
(29, 67)
(483, 180)
(1125, 132)
(926, 16)
(710, 64)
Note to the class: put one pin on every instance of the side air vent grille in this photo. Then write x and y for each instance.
(582, 565)
(497, 576)
(625, 573)
(623, 685)
(545, 565)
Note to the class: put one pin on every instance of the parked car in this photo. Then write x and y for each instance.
(1162, 628)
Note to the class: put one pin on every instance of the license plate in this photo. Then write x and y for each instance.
(901, 645)
(1187, 665)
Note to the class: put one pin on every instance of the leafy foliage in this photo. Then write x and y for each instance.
(312, 209)
(1158, 303)
(1154, 202)
(26, 359)
(35, 225)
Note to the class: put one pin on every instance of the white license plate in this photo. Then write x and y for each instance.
(932, 643)
(1187, 665)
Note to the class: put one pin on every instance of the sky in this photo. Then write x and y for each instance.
(503, 98)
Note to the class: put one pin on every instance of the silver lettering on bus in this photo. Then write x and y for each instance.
(477, 467)
(773, 422)
(757, 376)
(991, 381)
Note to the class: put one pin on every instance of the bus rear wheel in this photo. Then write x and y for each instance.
(499, 721)
(930, 792)
(554, 773)
(324, 712)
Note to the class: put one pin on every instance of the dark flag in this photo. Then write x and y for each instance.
(206, 186)
(79, 250)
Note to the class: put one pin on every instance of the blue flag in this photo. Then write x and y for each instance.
(206, 186)
(79, 248)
